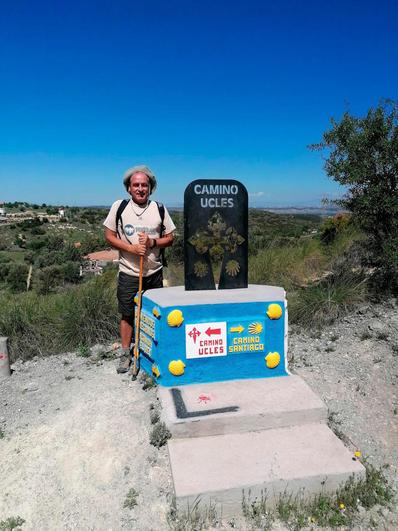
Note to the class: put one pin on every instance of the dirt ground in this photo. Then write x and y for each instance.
(76, 441)
(76, 434)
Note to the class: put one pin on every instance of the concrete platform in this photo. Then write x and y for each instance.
(177, 295)
(239, 406)
(307, 458)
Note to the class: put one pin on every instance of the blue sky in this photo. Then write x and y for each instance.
(194, 89)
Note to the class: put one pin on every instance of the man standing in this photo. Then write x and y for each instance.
(138, 227)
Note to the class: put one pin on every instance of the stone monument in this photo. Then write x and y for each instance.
(198, 333)
(217, 347)
(215, 230)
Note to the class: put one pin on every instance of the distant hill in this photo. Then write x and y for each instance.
(316, 211)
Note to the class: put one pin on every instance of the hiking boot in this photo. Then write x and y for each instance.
(124, 363)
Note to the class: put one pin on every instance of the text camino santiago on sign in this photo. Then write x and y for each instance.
(216, 230)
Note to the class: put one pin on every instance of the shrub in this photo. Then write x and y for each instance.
(51, 277)
(47, 324)
(322, 303)
(71, 272)
(83, 351)
(47, 279)
(146, 381)
(71, 253)
(29, 257)
(11, 523)
(36, 231)
(159, 435)
(154, 416)
(90, 310)
(54, 242)
(16, 278)
(35, 244)
(131, 499)
(332, 227)
(4, 270)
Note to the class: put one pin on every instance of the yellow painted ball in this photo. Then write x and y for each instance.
(176, 367)
(274, 311)
(272, 360)
(175, 318)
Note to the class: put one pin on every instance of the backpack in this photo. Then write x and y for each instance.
(160, 206)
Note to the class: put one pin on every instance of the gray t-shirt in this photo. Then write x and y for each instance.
(136, 219)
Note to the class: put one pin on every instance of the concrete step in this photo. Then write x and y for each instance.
(238, 406)
(307, 458)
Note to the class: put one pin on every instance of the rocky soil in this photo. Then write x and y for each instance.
(74, 435)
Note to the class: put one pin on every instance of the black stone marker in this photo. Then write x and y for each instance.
(215, 230)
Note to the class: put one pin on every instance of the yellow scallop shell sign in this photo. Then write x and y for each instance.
(274, 311)
(272, 360)
(176, 367)
(155, 371)
(156, 312)
(175, 318)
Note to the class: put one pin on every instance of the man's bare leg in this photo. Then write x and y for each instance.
(126, 334)
(126, 331)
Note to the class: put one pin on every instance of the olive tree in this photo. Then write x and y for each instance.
(362, 155)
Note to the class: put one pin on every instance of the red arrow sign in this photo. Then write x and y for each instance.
(213, 331)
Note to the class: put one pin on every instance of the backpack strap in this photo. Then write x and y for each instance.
(119, 213)
(161, 214)
(162, 229)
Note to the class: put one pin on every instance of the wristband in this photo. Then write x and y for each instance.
(153, 243)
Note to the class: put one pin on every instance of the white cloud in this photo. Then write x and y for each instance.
(256, 194)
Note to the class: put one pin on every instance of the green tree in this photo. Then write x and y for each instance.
(70, 252)
(37, 231)
(92, 242)
(54, 242)
(71, 272)
(362, 154)
(48, 278)
(36, 244)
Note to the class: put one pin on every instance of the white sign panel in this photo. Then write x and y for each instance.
(205, 340)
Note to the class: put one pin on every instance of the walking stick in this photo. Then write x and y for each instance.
(136, 367)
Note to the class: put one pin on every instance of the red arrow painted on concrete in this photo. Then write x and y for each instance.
(213, 331)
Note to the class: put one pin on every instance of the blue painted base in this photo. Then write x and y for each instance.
(214, 335)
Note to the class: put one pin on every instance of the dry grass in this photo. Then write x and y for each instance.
(39, 325)
(288, 265)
